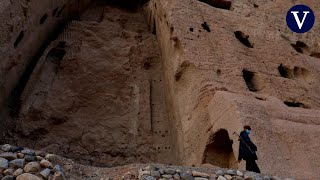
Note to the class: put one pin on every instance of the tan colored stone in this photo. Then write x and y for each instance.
(18, 172)
(32, 167)
(46, 164)
(200, 174)
(28, 176)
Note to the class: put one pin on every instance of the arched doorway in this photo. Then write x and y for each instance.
(219, 151)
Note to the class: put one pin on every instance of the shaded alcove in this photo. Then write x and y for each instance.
(219, 151)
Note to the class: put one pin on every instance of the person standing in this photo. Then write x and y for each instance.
(247, 150)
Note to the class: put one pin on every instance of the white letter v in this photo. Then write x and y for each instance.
(295, 14)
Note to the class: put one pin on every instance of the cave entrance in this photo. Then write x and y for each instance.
(219, 150)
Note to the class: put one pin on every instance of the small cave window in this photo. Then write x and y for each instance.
(300, 47)
(58, 14)
(55, 11)
(206, 26)
(315, 54)
(154, 28)
(295, 104)
(43, 18)
(191, 29)
(19, 39)
(219, 150)
(222, 4)
(248, 76)
(146, 65)
(244, 39)
(285, 71)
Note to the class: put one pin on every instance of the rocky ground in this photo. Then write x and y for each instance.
(25, 164)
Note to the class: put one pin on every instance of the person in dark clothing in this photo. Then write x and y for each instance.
(247, 150)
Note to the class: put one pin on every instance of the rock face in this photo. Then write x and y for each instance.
(227, 68)
(102, 70)
(25, 30)
(111, 90)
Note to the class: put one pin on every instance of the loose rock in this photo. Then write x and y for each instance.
(28, 152)
(170, 171)
(239, 173)
(58, 176)
(168, 176)
(231, 172)
(30, 158)
(8, 172)
(220, 173)
(176, 176)
(16, 149)
(9, 155)
(46, 164)
(28, 176)
(20, 155)
(39, 158)
(57, 168)
(150, 168)
(186, 176)
(45, 173)
(200, 174)
(6, 147)
(155, 174)
(145, 177)
(17, 163)
(4, 163)
(32, 167)
(228, 177)
(8, 178)
(221, 178)
(18, 172)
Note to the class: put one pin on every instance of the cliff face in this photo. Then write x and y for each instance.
(163, 81)
(227, 67)
(27, 28)
(97, 94)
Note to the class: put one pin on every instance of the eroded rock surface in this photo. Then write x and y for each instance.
(112, 90)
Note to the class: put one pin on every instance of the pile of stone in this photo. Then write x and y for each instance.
(25, 164)
(153, 173)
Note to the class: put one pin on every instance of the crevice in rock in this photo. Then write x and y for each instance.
(244, 39)
(182, 68)
(55, 11)
(43, 18)
(19, 39)
(222, 4)
(59, 13)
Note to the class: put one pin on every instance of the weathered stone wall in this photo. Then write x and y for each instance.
(96, 95)
(246, 49)
(26, 29)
